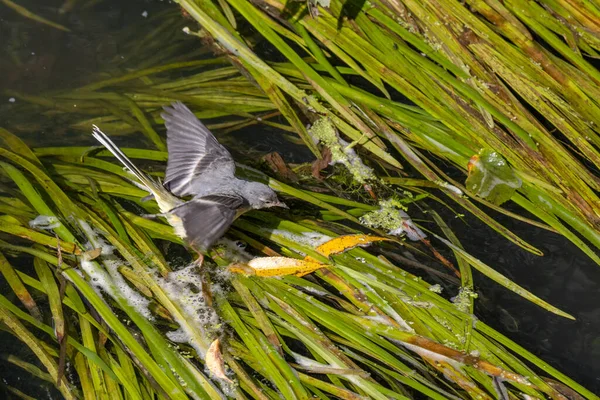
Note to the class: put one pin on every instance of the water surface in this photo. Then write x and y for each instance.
(36, 59)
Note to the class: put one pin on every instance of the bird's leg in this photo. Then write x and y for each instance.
(206, 292)
(200, 260)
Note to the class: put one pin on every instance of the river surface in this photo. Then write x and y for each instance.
(35, 59)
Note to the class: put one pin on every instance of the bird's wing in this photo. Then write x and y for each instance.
(193, 150)
(206, 219)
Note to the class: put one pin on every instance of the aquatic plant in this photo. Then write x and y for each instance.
(131, 327)
(128, 318)
(477, 80)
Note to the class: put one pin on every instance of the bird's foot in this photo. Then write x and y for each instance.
(200, 260)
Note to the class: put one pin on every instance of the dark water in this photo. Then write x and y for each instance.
(35, 58)
(565, 277)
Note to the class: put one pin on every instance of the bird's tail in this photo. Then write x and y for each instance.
(166, 201)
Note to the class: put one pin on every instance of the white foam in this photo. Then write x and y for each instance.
(133, 298)
(178, 336)
(309, 238)
(437, 288)
(109, 279)
(184, 287)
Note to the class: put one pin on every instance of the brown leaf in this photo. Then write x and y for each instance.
(563, 389)
(92, 254)
(214, 361)
(278, 165)
(319, 165)
(441, 258)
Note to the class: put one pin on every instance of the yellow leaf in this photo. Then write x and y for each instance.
(276, 266)
(343, 243)
(214, 361)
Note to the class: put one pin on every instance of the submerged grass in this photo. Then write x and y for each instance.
(361, 327)
(131, 322)
(463, 75)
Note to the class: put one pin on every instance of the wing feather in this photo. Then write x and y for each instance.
(206, 219)
(193, 150)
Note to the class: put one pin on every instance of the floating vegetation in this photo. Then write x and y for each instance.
(360, 318)
(393, 219)
(461, 74)
(300, 309)
(341, 151)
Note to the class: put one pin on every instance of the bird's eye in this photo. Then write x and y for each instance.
(240, 244)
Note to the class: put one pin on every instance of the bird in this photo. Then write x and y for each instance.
(203, 170)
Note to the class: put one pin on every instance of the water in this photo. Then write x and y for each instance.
(564, 277)
(35, 58)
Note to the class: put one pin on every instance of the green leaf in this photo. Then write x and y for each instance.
(491, 177)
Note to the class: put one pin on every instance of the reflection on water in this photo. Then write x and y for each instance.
(108, 38)
(565, 277)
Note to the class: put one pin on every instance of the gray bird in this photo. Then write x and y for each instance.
(198, 166)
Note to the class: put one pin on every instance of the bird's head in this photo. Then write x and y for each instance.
(262, 196)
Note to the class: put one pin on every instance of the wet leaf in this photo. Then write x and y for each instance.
(47, 278)
(15, 144)
(276, 266)
(28, 14)
(37, 347)
(17, 286)
(281, 266)
(347, 242)
(491, 177)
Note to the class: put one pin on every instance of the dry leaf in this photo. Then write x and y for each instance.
(278, 165)
(214, 361)
(92, 254)
(319, 165)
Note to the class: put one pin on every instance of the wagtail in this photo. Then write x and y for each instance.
(199, 167)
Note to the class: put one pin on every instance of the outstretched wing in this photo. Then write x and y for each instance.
(206, 219)
(193, 150)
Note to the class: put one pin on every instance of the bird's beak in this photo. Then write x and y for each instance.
(278, 204)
